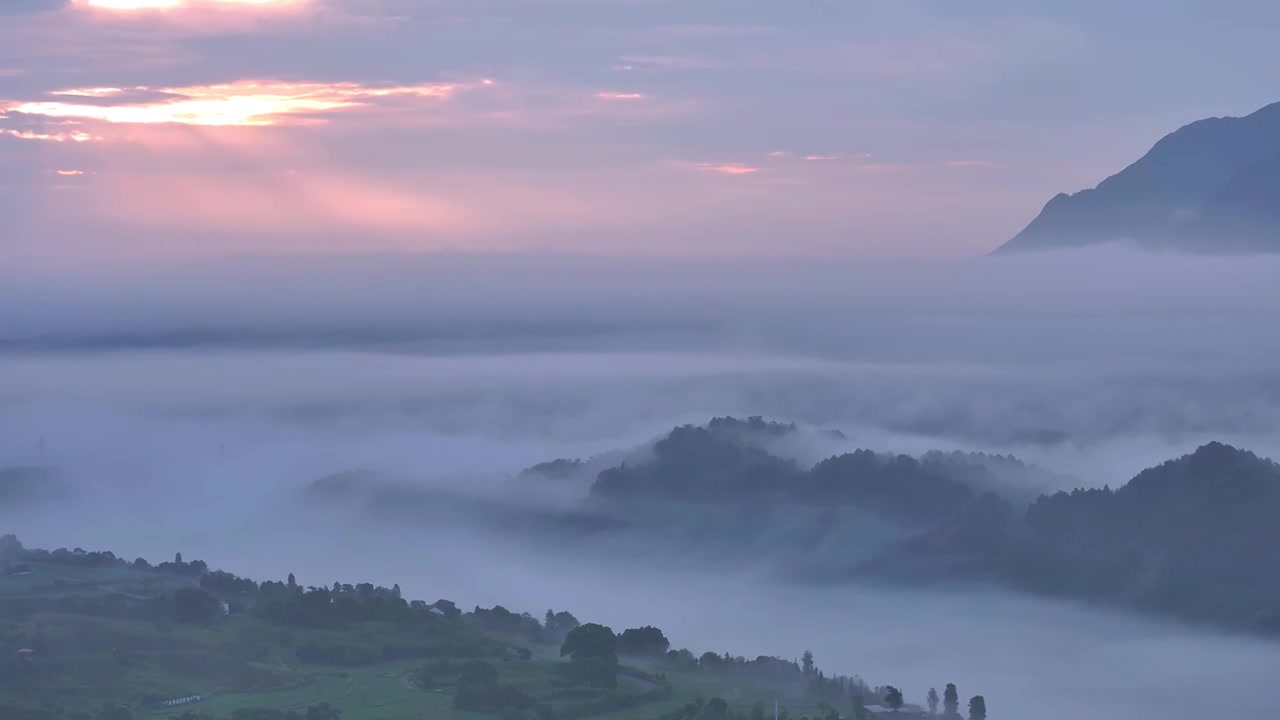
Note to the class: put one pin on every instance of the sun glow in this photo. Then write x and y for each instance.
(244, 103)
(126, 5)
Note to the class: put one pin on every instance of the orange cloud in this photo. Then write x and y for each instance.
(727, 168)
(242, 103)
(132, 5)
(48, 137)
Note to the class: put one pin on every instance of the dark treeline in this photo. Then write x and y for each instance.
(349, 625)
(728, 461)
(1196, 536)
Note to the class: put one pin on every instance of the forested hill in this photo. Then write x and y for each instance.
(93, 636)
(730, 461)
(1198, 536)
(727, 495)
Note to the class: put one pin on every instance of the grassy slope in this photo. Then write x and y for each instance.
(96, 660)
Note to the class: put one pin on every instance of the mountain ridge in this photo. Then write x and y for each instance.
(1193, 190)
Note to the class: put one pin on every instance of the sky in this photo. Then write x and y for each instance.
(145, 131)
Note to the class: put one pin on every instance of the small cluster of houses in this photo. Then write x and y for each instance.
(180, 701)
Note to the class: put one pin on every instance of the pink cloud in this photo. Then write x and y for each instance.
(727, 168)
(620, 96)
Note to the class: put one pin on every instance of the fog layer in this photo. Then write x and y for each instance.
(187, 411)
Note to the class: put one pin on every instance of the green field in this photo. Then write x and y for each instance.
(113, 637)
(50, 580)
(381, 692)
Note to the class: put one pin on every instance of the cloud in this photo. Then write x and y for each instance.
(726, 168)
(20, 7)
(127, 6)
(670, 63)
(620, 96)
(241, 103)
(73, 136)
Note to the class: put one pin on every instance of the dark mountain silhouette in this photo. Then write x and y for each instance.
(1211, 186)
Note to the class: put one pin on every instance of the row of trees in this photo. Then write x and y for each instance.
(950, 703)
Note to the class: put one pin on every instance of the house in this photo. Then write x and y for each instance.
(437, 611)
(906, 712)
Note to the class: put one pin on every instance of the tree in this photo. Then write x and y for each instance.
(177, 558)
(951, 700)
(293, 582)
(647, 641)
(806, 663)
(195, 606)
(893, 698)
(593, 655)
(591, 640)
(932, 699)
(977, 708)
(715, 709)
(478, 672)
(859, 703)
(447, 607)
